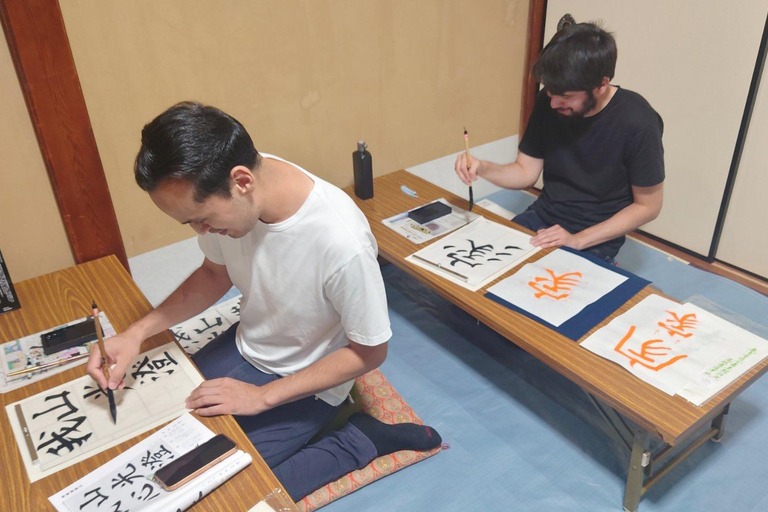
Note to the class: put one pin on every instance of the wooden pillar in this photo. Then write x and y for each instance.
(41, 54)
(536, 16)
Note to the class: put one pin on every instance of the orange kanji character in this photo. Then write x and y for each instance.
(563, 282)
(649, 352)
(678, 325)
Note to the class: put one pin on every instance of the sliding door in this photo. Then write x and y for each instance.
(744, 241)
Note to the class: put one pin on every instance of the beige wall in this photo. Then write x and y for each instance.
(307, 78)
(693, 61)
(32, 236)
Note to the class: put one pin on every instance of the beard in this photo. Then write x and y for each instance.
(589, 103)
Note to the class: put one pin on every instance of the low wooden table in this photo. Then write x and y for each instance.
(615, 392)
(64, 296)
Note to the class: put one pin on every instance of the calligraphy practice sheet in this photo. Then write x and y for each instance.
(28, 352)
(476, 254)
(197, 332)
(72, 422)
(664, 343)
(557, 287)
(125, 483)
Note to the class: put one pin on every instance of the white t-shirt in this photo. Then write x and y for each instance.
(308, 283)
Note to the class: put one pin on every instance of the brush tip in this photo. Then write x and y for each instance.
(112, 406)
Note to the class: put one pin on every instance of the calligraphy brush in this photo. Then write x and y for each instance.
(466, 146)
(45, 366)
(104, 364)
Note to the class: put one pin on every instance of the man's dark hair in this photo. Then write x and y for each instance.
(197, 143)
(576, 59)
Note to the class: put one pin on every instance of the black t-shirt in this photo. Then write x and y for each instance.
(591, 163)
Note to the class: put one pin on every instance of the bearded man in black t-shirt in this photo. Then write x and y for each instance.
(598, 145)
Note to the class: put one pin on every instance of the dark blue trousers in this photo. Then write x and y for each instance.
(281, 434)
(531, 220)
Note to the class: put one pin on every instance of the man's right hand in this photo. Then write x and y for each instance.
(467, 175)
(122, 351)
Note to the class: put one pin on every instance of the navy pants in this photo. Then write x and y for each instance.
(531, 220)
(281, 434)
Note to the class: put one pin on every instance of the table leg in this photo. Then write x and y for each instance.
(719, 424)
(618, 427)
(637, 470)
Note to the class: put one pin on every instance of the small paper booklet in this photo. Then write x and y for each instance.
(27, 353)
(420, 233)
(476, 254)
(125, 482)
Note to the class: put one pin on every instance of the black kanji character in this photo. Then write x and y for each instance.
(150, 460)
(61, 437)
(64, 395)
(149, 496)
(218, 323)
(150, 368)
(123, 480)
(98, 495)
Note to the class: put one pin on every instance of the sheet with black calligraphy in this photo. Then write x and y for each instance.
(71, 422)
(126, 484)
(197, 332)
(476, 254)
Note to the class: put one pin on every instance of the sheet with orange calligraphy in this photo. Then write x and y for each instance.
(664, 343)
(559, 286)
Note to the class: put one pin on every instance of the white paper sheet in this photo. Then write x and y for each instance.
(557, 287)
(125, 482)
(420, 233)
(71, 422)
(476, 254)
(662, 342)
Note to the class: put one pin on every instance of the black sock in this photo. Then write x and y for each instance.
(391, 438)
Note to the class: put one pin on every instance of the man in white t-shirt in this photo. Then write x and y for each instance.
(314, 311)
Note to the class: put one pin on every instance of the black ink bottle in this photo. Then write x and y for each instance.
(363, 165)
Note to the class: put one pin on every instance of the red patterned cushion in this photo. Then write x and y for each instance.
(381, 401)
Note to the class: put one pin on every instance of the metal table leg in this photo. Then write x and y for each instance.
(638, 463)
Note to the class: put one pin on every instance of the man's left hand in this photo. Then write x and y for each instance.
(555, 236)
(227, 396)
